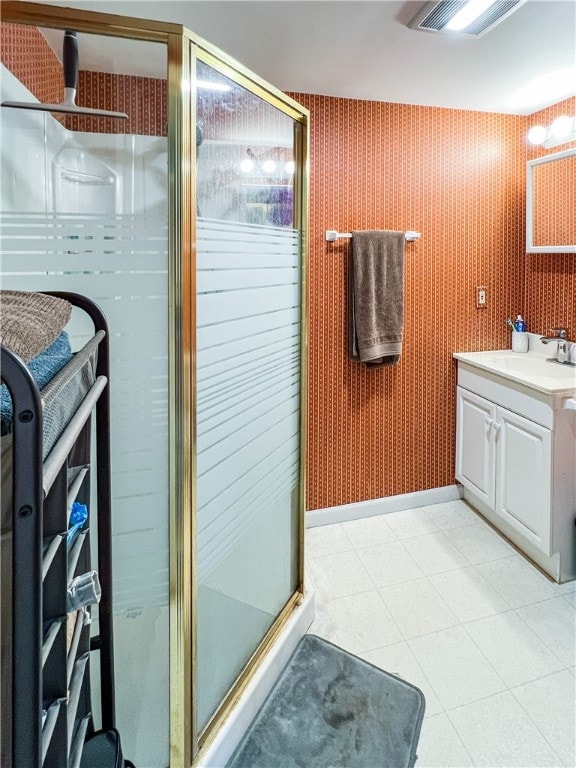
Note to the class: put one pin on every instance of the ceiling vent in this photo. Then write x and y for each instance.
(434, 16)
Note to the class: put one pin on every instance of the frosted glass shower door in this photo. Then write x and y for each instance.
(248, 379)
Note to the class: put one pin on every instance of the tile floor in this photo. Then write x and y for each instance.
(436, 596)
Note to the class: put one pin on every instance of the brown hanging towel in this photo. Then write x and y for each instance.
(376, 297)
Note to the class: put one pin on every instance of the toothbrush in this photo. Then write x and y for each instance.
(510, 323)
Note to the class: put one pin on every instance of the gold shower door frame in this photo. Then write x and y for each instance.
(183, 48)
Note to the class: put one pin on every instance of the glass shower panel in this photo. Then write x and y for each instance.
(84, 209)
(248, 378)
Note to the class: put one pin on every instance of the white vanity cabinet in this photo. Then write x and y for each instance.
(516, 461)
(475, 446)
(506, 460)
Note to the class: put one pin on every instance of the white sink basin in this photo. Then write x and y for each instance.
(536, 366)
(529, 368)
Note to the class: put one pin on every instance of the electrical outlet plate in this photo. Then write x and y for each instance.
(480, 296)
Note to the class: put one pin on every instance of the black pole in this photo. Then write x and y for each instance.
(27, 503)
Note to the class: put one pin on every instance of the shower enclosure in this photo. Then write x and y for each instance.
(187, 226)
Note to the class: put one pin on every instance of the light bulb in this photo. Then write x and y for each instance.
(561, 127)
(269, 166)
(537, 134)
(289, 167)
(246, 165)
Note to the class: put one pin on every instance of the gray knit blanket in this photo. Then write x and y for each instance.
(30, 322)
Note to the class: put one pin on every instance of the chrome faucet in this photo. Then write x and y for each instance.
(560, 335)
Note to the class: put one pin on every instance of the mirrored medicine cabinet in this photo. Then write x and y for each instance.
(550, 200)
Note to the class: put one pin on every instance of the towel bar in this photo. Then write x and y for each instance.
(332, 235)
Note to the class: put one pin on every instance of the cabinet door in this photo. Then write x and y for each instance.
(523, 481)
(474, 445)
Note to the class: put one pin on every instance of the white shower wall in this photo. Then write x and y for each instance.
(87, 212)
(32, 142)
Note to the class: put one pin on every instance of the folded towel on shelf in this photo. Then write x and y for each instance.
(30, 322)
(376, 297)
(43, 369)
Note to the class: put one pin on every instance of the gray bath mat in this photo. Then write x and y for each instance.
(330, 709)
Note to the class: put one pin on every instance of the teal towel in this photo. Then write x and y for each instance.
(43, 368)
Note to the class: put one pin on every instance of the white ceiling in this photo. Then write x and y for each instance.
(363, 50)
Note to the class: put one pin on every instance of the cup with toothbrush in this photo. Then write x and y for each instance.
(519, 334)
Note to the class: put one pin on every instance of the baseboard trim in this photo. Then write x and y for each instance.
(383, 506)
(229, 736)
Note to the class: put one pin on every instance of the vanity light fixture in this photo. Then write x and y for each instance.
(562, 130)
(471, 17)
(255, 165)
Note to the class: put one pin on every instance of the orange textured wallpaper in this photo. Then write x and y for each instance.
(144, 99)
(458, 178)
(25, 52)
(550, 282)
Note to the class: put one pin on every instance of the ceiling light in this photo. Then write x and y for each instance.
(269, 166)
(562, 130)
(468, 14)
(289, 167)
(471, 17)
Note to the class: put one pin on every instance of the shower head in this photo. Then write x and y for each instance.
(68, 106)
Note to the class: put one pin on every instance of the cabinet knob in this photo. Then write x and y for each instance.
(491, 424)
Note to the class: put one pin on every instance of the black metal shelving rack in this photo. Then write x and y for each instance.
(45, 674)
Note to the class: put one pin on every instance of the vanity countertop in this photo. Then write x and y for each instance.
(532, 369)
